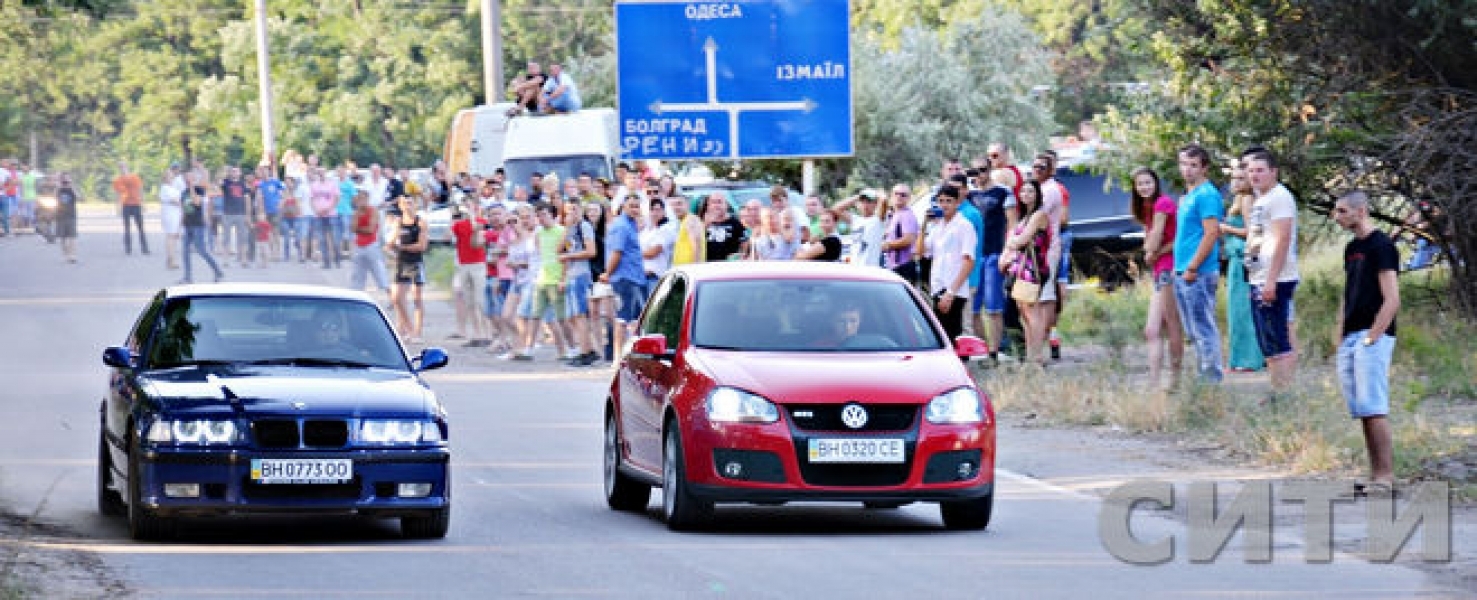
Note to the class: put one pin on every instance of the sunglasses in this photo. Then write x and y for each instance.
(902, 194)
(1040, 167)
(994, 155)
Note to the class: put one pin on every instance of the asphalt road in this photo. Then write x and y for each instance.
(528, 517)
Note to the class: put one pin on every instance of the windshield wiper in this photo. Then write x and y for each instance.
(304, 361)
(198, 363)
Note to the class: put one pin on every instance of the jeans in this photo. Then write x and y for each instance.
(369, 261)
(135, 214)
(235, 233)
(5, 204)
(288, 229)
(326, 227)
(195, 240)
(1197, 311)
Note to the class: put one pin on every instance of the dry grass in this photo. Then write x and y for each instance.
(1309, 433)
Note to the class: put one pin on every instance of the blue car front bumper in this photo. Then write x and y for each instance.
(226, 485)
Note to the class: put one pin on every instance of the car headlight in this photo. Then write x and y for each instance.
(726, 404)
(962, 405)
(192, 431)
(391, 431)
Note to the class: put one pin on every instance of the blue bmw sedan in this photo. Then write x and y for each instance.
(259, 398)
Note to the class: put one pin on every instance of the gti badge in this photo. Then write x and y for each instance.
(854, 416)
(300, 405)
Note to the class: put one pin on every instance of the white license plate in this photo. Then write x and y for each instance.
(857, 450)
(301, 470)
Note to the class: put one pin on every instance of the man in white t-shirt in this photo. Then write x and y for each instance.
(952, 246)
(1271, 265)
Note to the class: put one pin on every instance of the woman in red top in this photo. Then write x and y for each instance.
(1156, 212)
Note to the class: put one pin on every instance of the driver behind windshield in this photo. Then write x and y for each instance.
(843, 326)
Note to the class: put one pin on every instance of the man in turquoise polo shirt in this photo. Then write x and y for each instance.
(1197, 259)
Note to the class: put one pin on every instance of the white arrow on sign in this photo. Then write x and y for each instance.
(710, 55)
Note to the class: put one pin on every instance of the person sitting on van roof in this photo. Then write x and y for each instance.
(560, 95)
(526, 89)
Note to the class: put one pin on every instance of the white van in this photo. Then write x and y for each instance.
(585, 141)
(475, 142)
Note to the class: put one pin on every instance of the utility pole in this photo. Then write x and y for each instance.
(264, 81)
(492, 50)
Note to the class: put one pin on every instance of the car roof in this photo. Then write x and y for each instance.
(737, 270)
(266, 290)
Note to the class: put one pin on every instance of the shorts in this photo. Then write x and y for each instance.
(1162, 279)
(1273, 333)
(525, 300)
(1364, 374)
(1064, 271)
(991, 295)
(548, 301)
(602, 290)
(631, 299)
(494, 295)
(468, 279)
(410, 272)
(577, 297)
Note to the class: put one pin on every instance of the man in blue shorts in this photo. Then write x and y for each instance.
(1366, 333)
(624, 270)
(992, 203)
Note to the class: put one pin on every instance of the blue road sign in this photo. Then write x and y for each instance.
(721, 80)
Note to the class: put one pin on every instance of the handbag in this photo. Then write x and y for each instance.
(1026, 291)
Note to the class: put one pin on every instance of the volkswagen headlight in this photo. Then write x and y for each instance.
(726, 404)
(959, 406)
(392, 431)
(192, 431)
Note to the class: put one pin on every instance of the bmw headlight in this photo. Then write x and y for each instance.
(192, 431)
(726, 404)
(962, 405)
(394, 431)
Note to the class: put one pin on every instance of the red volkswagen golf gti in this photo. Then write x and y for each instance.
(773, 382)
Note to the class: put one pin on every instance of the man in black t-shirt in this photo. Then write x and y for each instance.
(726, 236)
(1366, 333)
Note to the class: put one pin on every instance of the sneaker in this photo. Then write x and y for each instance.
(456, 336)
(572, 355)
(522, 357)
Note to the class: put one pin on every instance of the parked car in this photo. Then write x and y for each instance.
(774, 382)
(263, 398)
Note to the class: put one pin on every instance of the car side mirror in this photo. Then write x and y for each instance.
(967, 345)
(430, 358)
(652, 346)
(118, 357)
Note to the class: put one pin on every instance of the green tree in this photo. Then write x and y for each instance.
(1369, 93)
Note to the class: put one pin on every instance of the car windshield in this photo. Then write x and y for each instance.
(810, 315)
(328, 332)
(518, 170)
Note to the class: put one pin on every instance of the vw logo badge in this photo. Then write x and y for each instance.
(854, 416)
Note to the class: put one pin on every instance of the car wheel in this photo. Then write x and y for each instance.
(109, 500)
(143, 524)
(968, 514)
(682, 511)
(432, 525)
(621, 491)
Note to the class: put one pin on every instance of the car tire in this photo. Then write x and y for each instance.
(968, 514)
(432, 525)
(109, 501)
(621, 491)
(143, 524)
(682, 511)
